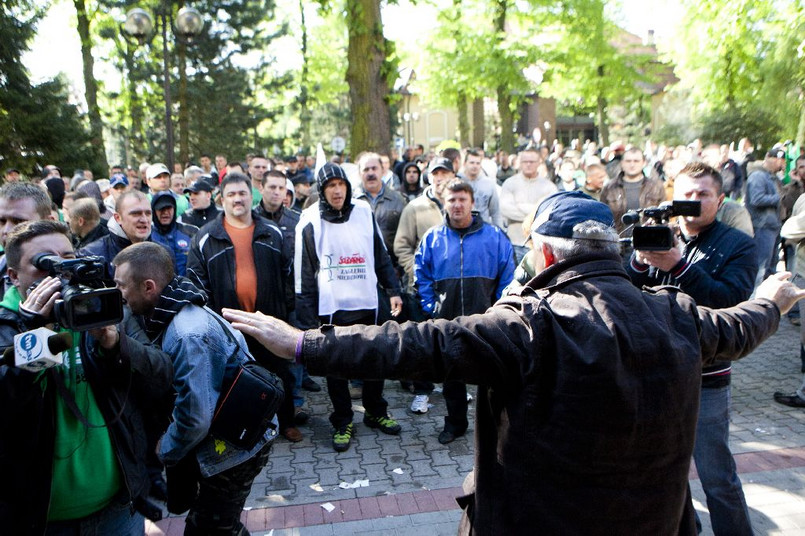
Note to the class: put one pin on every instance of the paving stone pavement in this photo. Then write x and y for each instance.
(412, 479)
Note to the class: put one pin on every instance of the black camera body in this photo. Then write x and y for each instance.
(657, 235)
(86, 303)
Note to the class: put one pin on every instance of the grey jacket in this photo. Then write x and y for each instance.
(762, 199)
(387, 209)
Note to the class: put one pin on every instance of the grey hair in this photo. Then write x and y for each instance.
(589, 236)
(192, 171)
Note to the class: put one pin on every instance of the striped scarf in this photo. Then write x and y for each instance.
(179, 292)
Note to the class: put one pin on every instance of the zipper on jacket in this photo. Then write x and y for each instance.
(461, 270)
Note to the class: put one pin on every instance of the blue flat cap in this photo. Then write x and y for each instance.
(560, 212)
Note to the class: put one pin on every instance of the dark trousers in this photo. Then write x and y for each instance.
(342, 414)
(413, 311)
(220, 499)
(338, 388)
(455, 397)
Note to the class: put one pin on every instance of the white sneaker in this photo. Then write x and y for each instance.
(420, 404)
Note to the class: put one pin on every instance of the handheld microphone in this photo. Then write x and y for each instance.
(38, 349)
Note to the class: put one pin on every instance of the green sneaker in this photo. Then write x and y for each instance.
(386, 424)
(343, 437)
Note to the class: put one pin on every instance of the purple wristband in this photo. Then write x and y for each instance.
(299, 343)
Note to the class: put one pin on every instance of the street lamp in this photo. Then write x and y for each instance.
(140, 26)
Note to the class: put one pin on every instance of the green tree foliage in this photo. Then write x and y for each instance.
(215, 80)
(84, 17)
(728, 125)
(472, 55)
(783, 71)
(739, 60)
(38, 126)
(323, 82)
(593, 63)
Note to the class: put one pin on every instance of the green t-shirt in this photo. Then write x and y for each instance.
(257, 196)
(86, 475)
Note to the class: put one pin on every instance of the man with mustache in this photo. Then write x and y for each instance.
(224, 260)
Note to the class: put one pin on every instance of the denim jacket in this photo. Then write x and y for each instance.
(201, 351)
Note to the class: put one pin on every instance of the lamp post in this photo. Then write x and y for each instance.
(140, 26)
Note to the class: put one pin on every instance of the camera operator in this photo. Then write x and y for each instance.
(716, 265)
(72, 449)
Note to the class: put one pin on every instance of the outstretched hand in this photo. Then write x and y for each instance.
(280, 338)
(782, 292)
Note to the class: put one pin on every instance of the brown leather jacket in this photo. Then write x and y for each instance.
(588, 395)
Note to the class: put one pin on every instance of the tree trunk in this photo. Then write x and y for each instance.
(504, 97)
(367, 78)
(91, 85)
(478, 133)
(304, 112)
(463, 121)
(135, 135)
(801, 127)
(184, 114)
(603, 127)
(601, 101)
(506, 119)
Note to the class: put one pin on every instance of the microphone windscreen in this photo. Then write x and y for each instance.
(60, 342)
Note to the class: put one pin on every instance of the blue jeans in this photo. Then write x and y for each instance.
(299, 373)
(766, 247)
(729, 514)
(116, 518)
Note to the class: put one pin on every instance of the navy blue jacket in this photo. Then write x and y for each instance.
(717, 269)
(462, 273)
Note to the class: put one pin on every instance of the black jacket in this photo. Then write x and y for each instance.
(286, 219)
(211, 267)
(98, 232)
(199, 218)
(120, 381)
(717, 269)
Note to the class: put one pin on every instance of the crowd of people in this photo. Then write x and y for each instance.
(524, 242)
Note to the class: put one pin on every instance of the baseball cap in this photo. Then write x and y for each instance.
(440, 162)
(301, 178)
(560, 212)
(164, 199)
(154, 170)
(103, 185)
(777, 152)
(118, 179)
(199, 186)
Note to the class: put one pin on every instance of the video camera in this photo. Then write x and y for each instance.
(657, 235)
(86, 303)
